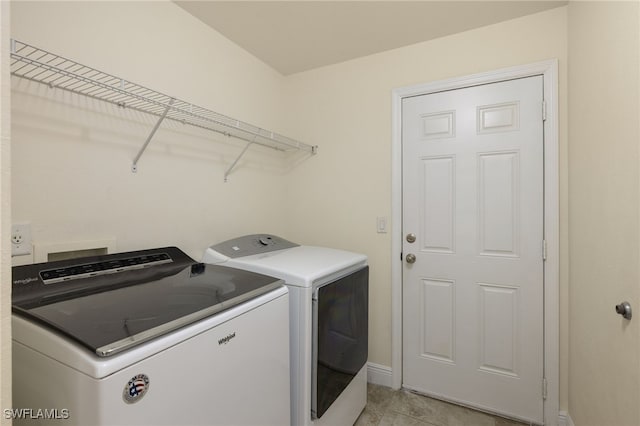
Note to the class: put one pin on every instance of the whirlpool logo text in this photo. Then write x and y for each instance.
(226, 339)
(24, 281)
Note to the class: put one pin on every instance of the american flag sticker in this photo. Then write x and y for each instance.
(136, 388)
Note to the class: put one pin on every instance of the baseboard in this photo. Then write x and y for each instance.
(564, 419)
(379, 374)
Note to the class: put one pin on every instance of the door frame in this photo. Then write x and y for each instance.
(549, 70)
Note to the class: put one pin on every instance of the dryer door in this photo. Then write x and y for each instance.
(340, 337)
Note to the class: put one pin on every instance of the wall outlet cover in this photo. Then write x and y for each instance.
(21, 243)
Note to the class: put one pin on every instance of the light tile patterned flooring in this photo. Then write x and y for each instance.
(386, 407)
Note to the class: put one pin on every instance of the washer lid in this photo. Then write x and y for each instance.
(303, 266)
(113, 310)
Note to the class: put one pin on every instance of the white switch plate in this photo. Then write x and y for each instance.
(21, 243)
(381, 224)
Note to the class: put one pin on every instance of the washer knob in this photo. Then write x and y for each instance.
(265, 241)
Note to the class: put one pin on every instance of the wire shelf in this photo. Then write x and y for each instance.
(35, 64)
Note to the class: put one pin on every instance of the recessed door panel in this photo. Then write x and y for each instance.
(438, 319)
(498, 118)
(438, 204)
(499, 194)
(499, 331)
(439, 125)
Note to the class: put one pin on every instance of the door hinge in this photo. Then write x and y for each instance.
(544, 249)
(544, 110)
(544, 388)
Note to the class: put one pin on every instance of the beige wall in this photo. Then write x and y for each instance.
(604, 366)
(71, 164)
(79, 157)
(5, 213)
(347, 109)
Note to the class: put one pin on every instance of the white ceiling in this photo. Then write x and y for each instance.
(294, 36)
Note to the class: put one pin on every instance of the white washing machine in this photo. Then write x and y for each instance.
(148, 338)
(328, 298)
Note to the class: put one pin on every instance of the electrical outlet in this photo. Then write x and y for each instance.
(21, 239)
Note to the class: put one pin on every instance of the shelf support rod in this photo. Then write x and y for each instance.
(134, 167)
(226, 174)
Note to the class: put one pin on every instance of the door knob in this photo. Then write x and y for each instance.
(624, 309)
(411, 238)
(411, 258)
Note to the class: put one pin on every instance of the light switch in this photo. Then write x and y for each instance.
(382, 224)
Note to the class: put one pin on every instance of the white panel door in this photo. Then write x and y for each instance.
(473, 198)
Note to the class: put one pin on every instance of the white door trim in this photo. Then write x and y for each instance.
(549, 69)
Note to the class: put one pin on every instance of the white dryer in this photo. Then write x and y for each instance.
(328, 298)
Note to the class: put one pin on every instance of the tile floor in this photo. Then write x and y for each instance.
(386, 407)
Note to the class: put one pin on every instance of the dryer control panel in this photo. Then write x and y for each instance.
(249, 245)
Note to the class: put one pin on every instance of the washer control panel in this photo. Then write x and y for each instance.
(249, 245)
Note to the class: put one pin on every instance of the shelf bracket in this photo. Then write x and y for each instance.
(226, 174)
(134, 166)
